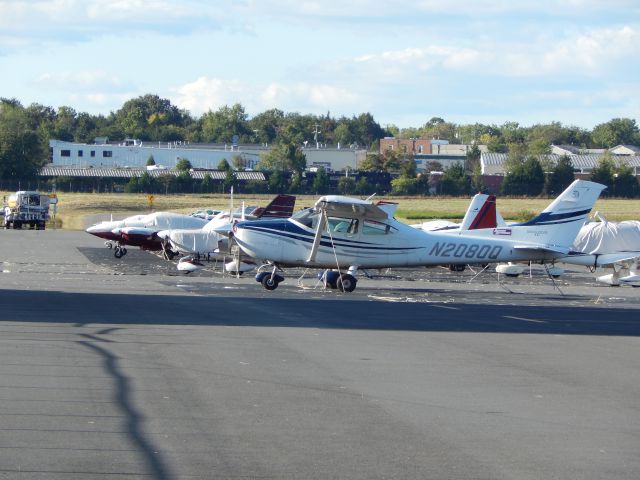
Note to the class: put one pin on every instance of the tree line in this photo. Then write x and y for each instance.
(25, 132)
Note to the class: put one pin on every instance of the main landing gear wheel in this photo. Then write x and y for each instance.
(120, 252)
(346, 282)
(269, 283)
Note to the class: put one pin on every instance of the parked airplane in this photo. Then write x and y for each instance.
(141, 230)
(597, 244)
(203, 241)
(481, 213)
(347, 234)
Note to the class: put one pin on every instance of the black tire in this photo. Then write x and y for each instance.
(124, 250)
(17, 225)
(268, 283)
(512, 275)
(346, 283)
(118, 252)
(457, 267)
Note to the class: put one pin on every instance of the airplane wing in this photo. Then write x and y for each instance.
(339, 206)
(599, 260)
(555, 251)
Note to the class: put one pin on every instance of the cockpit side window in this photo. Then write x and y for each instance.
(342, 225)
(377, 228)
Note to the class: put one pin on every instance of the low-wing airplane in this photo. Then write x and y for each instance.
(348, 234)
(141, 230)
(614, 245)
(481, 213)
(203, 241)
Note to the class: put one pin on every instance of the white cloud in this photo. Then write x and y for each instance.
(591, 52)
(206, 94)
(81, 80)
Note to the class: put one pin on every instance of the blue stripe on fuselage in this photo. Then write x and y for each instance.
(291, 230)
(550, 218)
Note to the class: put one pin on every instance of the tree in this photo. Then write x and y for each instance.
(561, 176)
(283, 157)
(625, 183)
(404, 186)
(603, 173)
(455, 181)
(207, 183)
(229, 179)
(147, 183)
(618, 131)
(524, 179)
(373, 162)
(239, 163)
(22, 151)
(132, 185)
(321, 182)
(222, 125)
(346, 185)
(183, 165)
(223, 165)
(150, 161)
(472, 159)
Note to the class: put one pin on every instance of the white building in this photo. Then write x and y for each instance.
(134, 153)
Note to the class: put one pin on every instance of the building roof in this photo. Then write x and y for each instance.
(100, 172)
(493, 162)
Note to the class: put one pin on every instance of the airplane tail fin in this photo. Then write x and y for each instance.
(559, 223)
(280, 207)
(481, 213)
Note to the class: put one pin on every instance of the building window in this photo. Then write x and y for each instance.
(390, 147)
(107, 153)
(404, 148)
(93, 153)
(420, 147)
(80, 153)
(65, 153)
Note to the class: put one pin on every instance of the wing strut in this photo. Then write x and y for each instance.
(318, 236)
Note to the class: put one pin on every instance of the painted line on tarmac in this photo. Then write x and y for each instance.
(524, 319)
(444, 306)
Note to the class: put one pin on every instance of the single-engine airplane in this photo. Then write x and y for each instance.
(347, 234)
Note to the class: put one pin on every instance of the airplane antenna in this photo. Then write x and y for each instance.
(370, 196)
(231, 205)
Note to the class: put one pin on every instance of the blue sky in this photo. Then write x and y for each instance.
(467, 61)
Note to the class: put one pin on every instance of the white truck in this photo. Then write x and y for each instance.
(27, 208)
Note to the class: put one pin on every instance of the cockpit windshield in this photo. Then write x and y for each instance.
(306, 217)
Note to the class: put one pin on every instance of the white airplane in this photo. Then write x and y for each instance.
(481, 213)
(141, 230)
(614, 245)
(348, 234)
(597, 244)
(205, 240)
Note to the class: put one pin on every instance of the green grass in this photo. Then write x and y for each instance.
(74, 208)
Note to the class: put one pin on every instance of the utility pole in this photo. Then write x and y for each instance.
(315, 135)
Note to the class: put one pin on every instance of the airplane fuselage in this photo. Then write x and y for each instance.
(374, 245)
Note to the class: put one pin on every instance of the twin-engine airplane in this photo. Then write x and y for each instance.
(141, 230)
(203, 241)
(347, 234)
